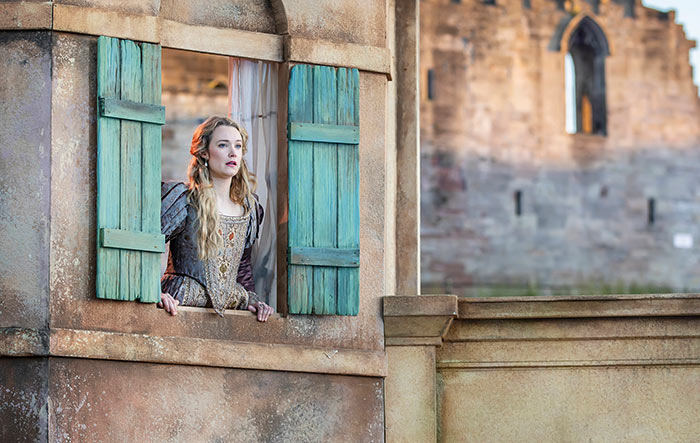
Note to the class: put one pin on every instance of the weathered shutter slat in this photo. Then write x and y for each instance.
(300, 161)
(348, 191)
(134, 111)
(325, 210)
(135, 241)
(323, 190)
(108, 139)
(324, 133)
(128, 170)
(338, 257)
(150, 191)
(130, 209)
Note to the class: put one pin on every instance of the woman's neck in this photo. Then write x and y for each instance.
(222, 187)
(223, 197)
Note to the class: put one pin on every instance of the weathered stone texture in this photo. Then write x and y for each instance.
(248, 15)
(594, 404)
(25, 168)
(138, 7)
(345, 21)
(588, 379)
(23, 399)
(117, 401)
(496, 125)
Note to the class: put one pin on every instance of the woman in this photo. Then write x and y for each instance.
(211, 224)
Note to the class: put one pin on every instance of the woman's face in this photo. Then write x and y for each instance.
(225, 152)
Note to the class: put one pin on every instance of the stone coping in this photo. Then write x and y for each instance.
(593, 306)
(582, 306)
(424, 320)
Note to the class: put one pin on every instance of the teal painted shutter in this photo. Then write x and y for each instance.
(129, 242)
(324, 189)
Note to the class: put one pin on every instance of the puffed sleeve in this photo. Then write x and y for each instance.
(173, 208)
(245, 268)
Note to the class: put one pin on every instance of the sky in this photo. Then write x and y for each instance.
(687, 14)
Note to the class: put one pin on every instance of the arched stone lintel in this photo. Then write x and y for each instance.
(560, 41)
(280, 16)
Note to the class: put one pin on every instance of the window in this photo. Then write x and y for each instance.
(585, 79)
(198, 85)
(322, 171)
(431, 84)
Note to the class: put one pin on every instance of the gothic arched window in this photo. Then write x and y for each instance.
(585, 62)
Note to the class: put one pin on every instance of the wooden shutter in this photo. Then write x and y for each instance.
(324, 188)
(129, 242)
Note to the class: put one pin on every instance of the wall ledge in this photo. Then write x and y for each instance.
(100, 345)
(595, 306)
(418, 320)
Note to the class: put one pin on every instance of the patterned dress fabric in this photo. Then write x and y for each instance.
(221, 272)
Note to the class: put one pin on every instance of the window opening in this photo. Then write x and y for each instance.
(431, 84)
(518, 196)
(570, 82)
(586, 115)
(196, 86)
(585, 78)
(651, 211)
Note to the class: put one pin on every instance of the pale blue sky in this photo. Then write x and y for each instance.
(688, 14)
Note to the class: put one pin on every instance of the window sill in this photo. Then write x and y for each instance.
(102, 345)
(227, 312)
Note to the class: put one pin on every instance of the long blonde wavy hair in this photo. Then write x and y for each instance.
(202, 195)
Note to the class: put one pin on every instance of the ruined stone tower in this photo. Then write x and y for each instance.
(521, 191)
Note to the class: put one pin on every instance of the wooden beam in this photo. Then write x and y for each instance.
(25, 15)
(322, 52)
(233, 42)
(172, 34)
(168, 33)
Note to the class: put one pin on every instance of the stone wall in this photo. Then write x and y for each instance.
(545, 369)
(496, 127)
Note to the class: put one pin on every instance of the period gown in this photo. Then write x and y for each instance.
(224, 281)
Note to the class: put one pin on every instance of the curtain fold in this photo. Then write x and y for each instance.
(253, 104)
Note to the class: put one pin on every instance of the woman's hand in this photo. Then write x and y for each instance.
(168, 303)
(263, 310)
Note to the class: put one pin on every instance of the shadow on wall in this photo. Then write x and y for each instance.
(627, 223)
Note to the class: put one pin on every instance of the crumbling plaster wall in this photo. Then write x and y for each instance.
(25, 137)
(497, 125)
(112, 401)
